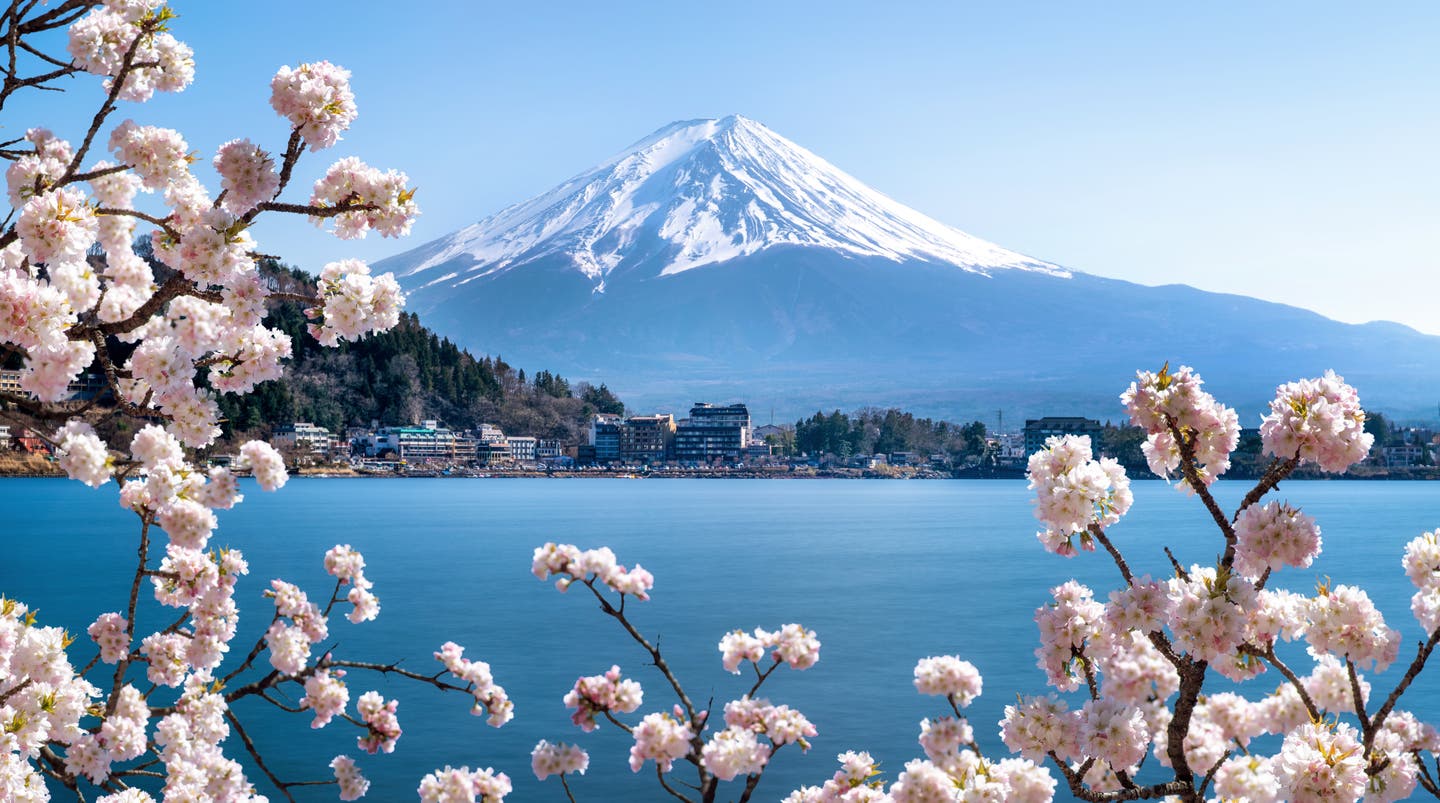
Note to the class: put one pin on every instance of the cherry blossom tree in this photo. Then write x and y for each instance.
(153, 708)
(145, 706)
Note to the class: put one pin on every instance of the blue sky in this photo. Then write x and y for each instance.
(1281, 150)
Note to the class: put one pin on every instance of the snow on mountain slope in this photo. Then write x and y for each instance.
(698, 193)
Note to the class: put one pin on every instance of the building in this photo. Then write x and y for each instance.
(86, 386)
(303, 436)
(1038, 429)
(522, 448)
(4, 437)
(548, 450)
(489, 432)
(420, 444)
(31, 441)
(1403, 456)
(647, 438)
(493, 452)
(605, 437)
(713, 432)
(1009, 446)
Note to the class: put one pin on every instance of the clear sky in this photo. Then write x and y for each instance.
(1284, 150)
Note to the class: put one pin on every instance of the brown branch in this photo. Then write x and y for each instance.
(761, 676)
(1274, 473)
(661, 776)
(1075, 779)
(621, 725)
(1359, 700)
(21, 686)
(94, 174)
(117, 85)
(1191, 471)
(1099, 533)
(158, 221)
(315, 211)
(1269, 655)
(255, 754)
(659, 661)
(1179, 570)
(143, 556)
(568, 793)
(1421, 656)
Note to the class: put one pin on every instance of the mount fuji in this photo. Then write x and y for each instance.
(717, 260)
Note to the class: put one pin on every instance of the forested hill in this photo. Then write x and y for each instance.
(404, 376)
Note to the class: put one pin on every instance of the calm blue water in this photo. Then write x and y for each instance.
(886, 572)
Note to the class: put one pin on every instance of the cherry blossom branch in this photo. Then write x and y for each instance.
(117, 85)
(617, 722)
(760, 677)
(334, 598)
(570, 796)
(660, 774)
(753, 780)
(1175, 564)
(1188, 467)
(255, 754)
(17, 688)
(162, 223)
(1210, 774)
(394, 669)
(1269, 655)
(1099, 533)
(1075, 780)
(1359, 700)
(658, 660)
(1274, 473)
(293, 149)
(94, 174)
(1426, 781)
(123, 665)
(1192, 679)
(250, 657)
(315, 211)
(1421, 656)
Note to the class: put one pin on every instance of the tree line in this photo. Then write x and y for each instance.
(885, 431)
(404, 376)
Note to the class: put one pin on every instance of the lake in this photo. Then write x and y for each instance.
(886, 572)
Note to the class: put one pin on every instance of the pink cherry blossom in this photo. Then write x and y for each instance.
(353, 785)
(1317, 421)
(558, 759)
(659, 738)
(949, 676)
(317, 100)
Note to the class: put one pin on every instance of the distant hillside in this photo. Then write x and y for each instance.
(404, 376)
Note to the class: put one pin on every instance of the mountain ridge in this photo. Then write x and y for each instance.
(698, 193)
(849, 299)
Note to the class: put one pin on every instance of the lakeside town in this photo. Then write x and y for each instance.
(715, 440)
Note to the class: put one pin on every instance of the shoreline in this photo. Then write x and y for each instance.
(1429, 475)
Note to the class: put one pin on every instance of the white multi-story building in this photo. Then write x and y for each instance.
(523, 448)
(419, 444)
(549, 450)
(304, 436)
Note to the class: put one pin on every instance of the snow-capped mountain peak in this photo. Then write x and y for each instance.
(698, 193)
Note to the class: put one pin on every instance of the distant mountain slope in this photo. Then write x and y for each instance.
(717, 260)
